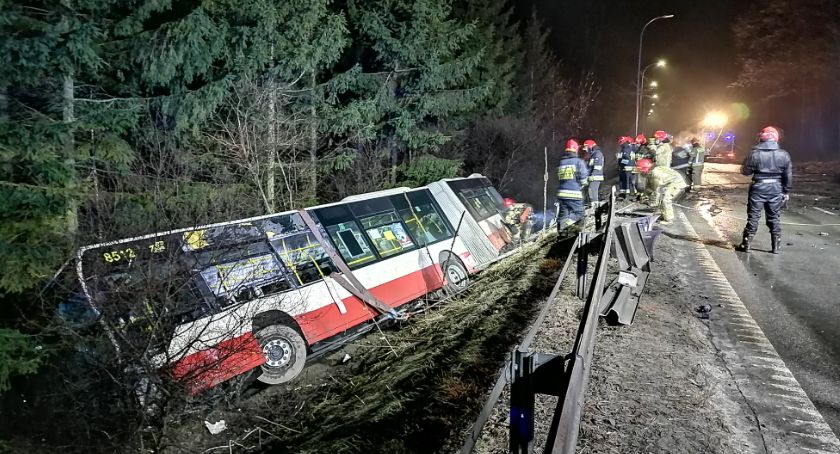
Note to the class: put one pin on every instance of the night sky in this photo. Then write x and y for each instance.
(603, 35)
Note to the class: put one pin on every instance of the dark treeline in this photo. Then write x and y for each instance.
(790, 57)
(120, 118)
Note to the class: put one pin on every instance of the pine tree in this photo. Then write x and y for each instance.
(53, 53)
(411, 79)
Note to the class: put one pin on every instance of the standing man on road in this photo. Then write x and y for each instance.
(772, 174)
(596, 170)
(626, 158)
(573, 175)
(697, 157)
(665, 184)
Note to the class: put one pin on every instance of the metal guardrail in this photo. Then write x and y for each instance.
(566, 376)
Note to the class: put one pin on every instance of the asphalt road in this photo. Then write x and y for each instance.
(793, 296)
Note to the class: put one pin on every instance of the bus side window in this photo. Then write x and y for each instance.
(350, 243)
(304, 257)
(422, 218)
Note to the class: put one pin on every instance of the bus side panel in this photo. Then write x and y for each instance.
(496, 232)
(474, 237)
(410, 287)
(207, 368)
(328, 321)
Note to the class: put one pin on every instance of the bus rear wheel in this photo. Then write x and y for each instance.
(457, 278)
(285, 354)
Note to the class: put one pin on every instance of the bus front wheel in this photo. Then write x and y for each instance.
(285, 354)
(457, 278)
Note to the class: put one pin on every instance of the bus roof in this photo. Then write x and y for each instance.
(181, 230)
(352, 198)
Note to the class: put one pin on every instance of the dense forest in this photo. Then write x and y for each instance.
(120, 118)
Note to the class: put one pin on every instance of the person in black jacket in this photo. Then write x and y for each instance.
(596, 170)
(772, 174)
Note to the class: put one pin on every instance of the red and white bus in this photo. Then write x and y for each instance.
(213, 302)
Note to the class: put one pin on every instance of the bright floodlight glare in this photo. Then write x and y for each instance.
(661, 63)
(654, 84)
(715, 120)
(655, 96)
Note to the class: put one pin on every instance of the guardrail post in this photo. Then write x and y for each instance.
(582, 264)
(521, 405)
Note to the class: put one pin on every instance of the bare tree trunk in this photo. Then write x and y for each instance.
(313, 144)
(68, 117)
(270, 158)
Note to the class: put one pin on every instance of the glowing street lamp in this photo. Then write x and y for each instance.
(655, 96)
(654, 84)
(639, 78)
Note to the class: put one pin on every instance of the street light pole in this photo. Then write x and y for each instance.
(660, 63)
(639, 67)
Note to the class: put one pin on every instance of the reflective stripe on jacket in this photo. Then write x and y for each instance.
(596, 165)
(572, 174)
(627, 158)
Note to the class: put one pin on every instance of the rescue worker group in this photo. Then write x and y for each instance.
(651, 171)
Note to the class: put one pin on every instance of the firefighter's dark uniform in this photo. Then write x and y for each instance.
(627, 170)
(772, 173)
(596, 173)
(573, 174)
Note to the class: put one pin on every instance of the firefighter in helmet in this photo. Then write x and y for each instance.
(517, 217)
(661, 148)
(596, 170)
(697, 157)
(573, 175)
(640, 151)
(772, 178)
(664, 181)
(626, 158)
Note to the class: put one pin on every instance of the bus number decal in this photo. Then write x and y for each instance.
(157, 247)
(116, 256)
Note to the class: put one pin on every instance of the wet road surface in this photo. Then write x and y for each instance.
(794, 296)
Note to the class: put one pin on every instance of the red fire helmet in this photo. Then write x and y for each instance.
(660, 135)
(624, 139)
(508, 202)
(589, 143)
(644, 165)
(572, 145)
(769, 133)
(641, 139)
